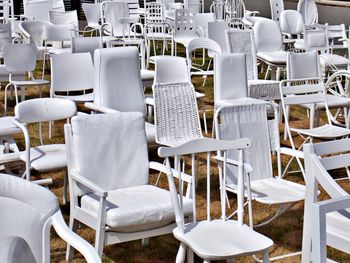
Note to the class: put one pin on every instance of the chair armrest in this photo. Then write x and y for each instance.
(343, 39)
(87, 183)
(292, 152)
(332, 205)
(99, 108)
(246, 166)
(73, 239)
(163, 169)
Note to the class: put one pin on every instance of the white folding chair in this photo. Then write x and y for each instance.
(31, 210)
(21, 58)
(110, 177)
(325, 222)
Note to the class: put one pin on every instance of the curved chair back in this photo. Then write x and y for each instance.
(171, 69)
(92, 13)
(64, 18)
(44, 109)
(71, 72)
(309, 12)
(85, 44)
(202, 43)
(118, 83)
(111, 13)
(291, 22)
(20, 57)
(34, 30)
(268, 35)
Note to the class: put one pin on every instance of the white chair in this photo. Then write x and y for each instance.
(37, 10)
(72, 73)
(31, 210)
(118, 84)
(92, 15)
(245, 119)
(269, 45)
(277, 6)
(21, 58)
(291, 23)
(325, 222)
(216, 32)
(308, 10)
(201, 20)
(309, 92)
(7, 13)
(113, 183)
(64, 18)
(44, 157)
(211, 239)
(242, 41)
(337, 35)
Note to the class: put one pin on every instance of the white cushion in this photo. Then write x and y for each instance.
(47, 157)
(274, 57)
(136, 208)
(334, 59)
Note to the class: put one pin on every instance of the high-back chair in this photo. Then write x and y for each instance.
(29, 212)
(72, 73)
(326, 223)
(245, 119)
(21, 58)
(211, 239)
(112, 184)
(44, 157)
(118, 85)
(242, 41)
(269, 45)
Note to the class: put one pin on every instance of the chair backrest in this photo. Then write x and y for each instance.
(64, 18)
(202, 20)
(277, 6)
(242, 41)
(303, 65)
(34, 30)
(81, 44)
(184, 23)
(111, 13)
(336, 33)
(5, 35)
(230, 77)
(118, 83)
(19, 197)
(309, 11)
(176, 113)
(71, 72)
(154, 12)
(115, 157)
(44, 109)
(238, 121)
(57, 32)
(268, 35)
(39, 10)
(202, 43)
(92, 12)
(291, 22)
(20, 57)
(7, 12)
(216, 32)
(171, 69)
(316, 37)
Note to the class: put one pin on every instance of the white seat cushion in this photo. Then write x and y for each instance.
(136, 208)
(47, 157)
(273, 57)
(333, 59)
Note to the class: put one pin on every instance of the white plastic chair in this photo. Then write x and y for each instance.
(64, 18)
(291, 23)
(31, 210)
(242, 41)
(325, 222)
(21, 58)
(308, 10)
(92, 12)
(45, 157)
(211, 239)
(37, 10)
(245, 119)
(277, 6)
(269, 45)
(71, 73)
(120, 206)
(118, 84)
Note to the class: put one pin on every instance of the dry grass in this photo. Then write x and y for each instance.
(286, 231)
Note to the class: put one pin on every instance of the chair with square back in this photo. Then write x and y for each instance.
(110, 190)
(21, 58)
(326, 223)
(118, 84)
(29, 211)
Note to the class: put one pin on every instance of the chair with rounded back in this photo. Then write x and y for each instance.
(291, 23)
(29, 211)
(308, 10)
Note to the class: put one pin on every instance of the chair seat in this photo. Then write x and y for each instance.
(78, 98)
(325, 131)
(273, 57)
(47, 157)
(33, 82)
(7, 127)
(217, 239)
(136, 208)
(333, 59)
(336, 232)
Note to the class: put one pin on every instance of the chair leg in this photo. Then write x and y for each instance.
(190, 256)
(5, 99)
(266, 258)
(65, 188)
(181, 254)
(16, 94)
(73, 225)
(204, 116)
